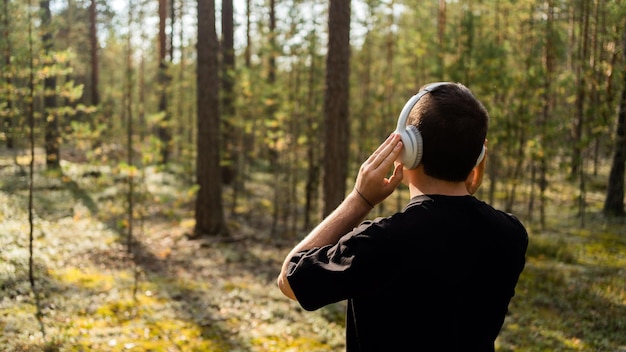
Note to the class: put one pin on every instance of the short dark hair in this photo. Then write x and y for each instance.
(453, 124)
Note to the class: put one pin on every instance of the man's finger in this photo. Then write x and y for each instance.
(396, 176)
(390, 150)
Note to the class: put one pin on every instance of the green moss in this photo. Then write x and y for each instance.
(135, 327)
(551, 247)
(89, 278)
(280, 344)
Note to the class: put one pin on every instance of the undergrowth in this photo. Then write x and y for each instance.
(168, 293)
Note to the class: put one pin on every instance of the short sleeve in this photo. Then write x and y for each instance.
(351, 267)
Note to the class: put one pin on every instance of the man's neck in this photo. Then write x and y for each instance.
(422, 184)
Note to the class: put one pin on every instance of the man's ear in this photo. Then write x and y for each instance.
(475, 177)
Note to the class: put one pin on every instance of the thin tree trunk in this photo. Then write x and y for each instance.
(141, 113)
(365, 92)
(271, 114)
(128, 112)
(614, 201)
(31, 135)
(549, 64)
(312, 130)
(240, 134)
(580, 91)
(31, 225)
(581, 75)
(389, 106)
(248, 50)
(185, 130)
(519, 129)
(172, 12)
(441, 35)
(173, 151)
(8, 120)
(228, 107)
(290, 205)
(93, 42)
(52, 136)
(164, 129)
(594, 96)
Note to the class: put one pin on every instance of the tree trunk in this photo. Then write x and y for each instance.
(441, 35)
(614, 202)
(209, 212)
(271, 115)
(172, 29)
(8, 120)
(164, 129)
(336, 102)
(228, 108)
(518, 128)
(31, 137)
(313, 166)
(366, 92)
(389, 107)
(546, 111)
(240, 152)
(93, 43)
(290, 203)
(248, 51)
(52, 137)
(128, 113)
(580, 90)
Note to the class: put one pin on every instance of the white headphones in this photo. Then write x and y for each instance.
(412, 152)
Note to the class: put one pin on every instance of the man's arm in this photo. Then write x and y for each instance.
(371, 187)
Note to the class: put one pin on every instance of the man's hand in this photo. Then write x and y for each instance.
(371, 183)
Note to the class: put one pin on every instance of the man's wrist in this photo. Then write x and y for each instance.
(356, 201)
(363, 198)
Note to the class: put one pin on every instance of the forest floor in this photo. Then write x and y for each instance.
(94, 290)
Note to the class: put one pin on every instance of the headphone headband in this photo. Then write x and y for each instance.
(408, 106)
(411, 137)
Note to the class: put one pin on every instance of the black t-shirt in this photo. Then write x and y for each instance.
(437, 276)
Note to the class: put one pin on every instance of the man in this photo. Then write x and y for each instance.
(437, 276)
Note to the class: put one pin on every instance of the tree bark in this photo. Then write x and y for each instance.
(93, 42)
(336, 99)
(8, 120)
(313, 166)
(441, 34)
(614, 201)
(209, 213)
(164, 130)
(581, 68)
(248, 51)
(128, 113)
(52, 136)
(546, 111)
(228, 108)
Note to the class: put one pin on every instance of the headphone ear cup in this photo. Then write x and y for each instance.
(413, 150)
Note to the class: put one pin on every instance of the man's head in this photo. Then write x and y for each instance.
(453, 125)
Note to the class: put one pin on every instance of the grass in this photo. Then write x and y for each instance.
(173, 294)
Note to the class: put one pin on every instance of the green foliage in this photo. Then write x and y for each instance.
(571, 294)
